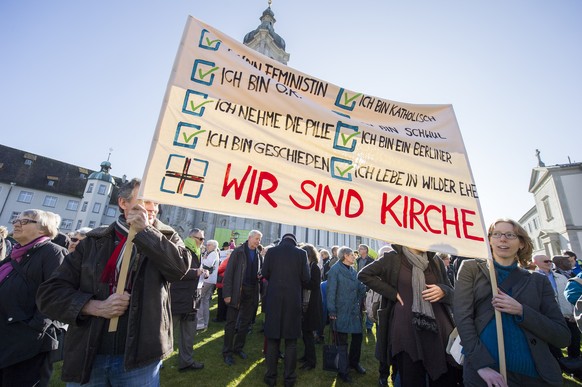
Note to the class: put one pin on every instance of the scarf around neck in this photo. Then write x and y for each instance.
(110, 274)
(17, 253)
(422, 313)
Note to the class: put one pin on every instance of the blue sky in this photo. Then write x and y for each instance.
(78, 78)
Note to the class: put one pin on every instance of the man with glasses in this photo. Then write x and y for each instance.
(82, 292)
(185, 298)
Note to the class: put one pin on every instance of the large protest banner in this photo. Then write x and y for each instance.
(242, 134)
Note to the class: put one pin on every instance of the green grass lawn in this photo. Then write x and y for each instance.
(249, 372)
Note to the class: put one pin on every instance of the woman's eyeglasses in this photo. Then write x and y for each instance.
(23, 222)
(508, 235)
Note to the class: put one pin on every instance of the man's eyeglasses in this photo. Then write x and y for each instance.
(508, 235)
(548, 261)
(23, 222)
(200, 239)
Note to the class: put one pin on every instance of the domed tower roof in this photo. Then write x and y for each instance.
(103, 174)
(265, 40)
(267, 21)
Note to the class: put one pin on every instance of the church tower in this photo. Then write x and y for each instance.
(265, 40)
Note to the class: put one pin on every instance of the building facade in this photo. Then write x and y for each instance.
(82, 197)
(555, 221)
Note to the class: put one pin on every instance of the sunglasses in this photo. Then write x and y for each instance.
(548, 261)
(200, 239)
(75, 240)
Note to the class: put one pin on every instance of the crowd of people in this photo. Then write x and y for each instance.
(54, 285)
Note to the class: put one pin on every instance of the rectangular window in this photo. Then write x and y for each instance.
(28, 162)
(25, 197)
(84, 207)
(102, 189)
(50, 201)
(96, 207)
(73, 205)
(67, 224)
(90, 188)
(110, 211)
(536, 223)
(92, 224)
(51, 183)
(79, 223)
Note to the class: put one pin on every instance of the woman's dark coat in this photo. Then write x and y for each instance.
(382, 277)
(542, 320)
(21, 323)
(312, 318)
(344, 298)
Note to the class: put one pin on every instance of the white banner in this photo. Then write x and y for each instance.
(242, 134)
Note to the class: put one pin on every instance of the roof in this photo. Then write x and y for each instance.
(68, 179)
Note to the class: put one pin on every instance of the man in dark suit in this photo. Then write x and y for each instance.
(286, 271)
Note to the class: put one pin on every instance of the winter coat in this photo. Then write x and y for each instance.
(382, 277)
(22, 325)
(345, 294)
(312, 318)
(184, 293)
(542, 322)
(162, 258)
(234, 275)
(287, 272)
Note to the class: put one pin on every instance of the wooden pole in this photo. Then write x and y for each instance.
(123, 272)
(498, 323)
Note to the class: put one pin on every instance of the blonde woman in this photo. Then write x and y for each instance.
(531, 317)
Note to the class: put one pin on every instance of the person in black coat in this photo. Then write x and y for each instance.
(312, 315)
(26, 334)
(286, 269)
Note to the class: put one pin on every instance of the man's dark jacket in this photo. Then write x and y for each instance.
(184, 293)
(287, 272)
(235, 272)
(162, 258)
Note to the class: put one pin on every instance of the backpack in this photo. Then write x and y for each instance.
(372, 304)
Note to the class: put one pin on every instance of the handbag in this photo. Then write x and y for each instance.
(331, 351)
(454, 347)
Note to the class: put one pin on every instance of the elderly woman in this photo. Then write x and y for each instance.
(530, 315)
(344, 296)
(77, 237)
(210, 263)
(415, 317)
(27, 335)
(312, 320)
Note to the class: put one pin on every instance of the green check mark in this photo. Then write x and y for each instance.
(342, 173)
(209, 42)
(348, 138)
(348, 99)
(196, 107)
(203, 75)
(190, 137)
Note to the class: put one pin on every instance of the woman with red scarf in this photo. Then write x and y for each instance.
(27, 336)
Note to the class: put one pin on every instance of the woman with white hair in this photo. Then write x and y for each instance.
(27, 336)
(77, 237)
(210, 263)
